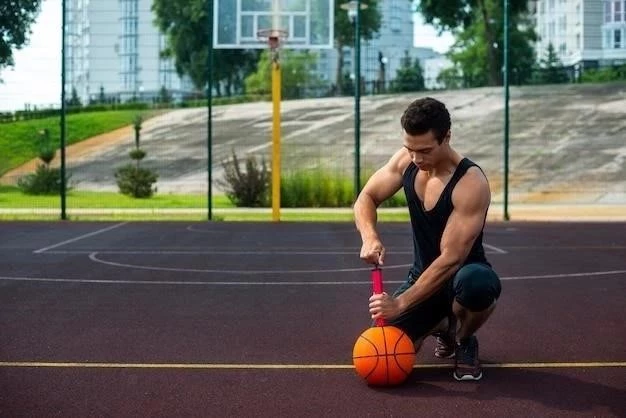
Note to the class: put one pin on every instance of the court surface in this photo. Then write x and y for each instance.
(259, 319)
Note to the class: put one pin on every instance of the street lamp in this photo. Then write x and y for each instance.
(354, 8)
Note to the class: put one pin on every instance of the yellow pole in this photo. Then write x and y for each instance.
(276, 139)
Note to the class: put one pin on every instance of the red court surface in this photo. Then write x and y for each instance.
(249, 319)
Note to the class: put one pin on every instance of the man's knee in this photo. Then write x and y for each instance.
(476, 287)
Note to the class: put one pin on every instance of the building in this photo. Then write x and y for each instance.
(113, 51)
(584, 33)
(382, 56)
(433, 66)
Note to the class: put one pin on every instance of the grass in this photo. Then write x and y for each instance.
(12, 197)
(161, 207)
(302, 215)
(19, 141)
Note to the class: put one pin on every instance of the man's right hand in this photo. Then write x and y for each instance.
(372, 251)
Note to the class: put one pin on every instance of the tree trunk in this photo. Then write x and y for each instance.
(495, 76)
(339, 75)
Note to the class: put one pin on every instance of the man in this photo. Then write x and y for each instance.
(450, 281)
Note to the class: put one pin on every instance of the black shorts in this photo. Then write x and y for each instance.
(475, 286)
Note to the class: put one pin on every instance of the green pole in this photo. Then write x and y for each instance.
(62, 122)
(506, 110)
(209, 95)
(357, 100)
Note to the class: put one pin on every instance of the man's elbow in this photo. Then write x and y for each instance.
(453, 260)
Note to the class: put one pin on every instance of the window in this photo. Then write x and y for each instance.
(618, 10)
(607, 12)
(617, 38)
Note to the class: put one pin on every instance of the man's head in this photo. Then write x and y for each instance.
(426, 131)
(424, 115)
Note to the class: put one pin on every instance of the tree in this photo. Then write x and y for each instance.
(296, 72)
(369, 24)
(479, 24)
(409, 77)
(16, 18)
(184, 22)
(551, 70)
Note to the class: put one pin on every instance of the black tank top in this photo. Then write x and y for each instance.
(428, 225)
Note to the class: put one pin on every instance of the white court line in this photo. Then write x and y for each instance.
(494, 249)
(78, 238)
(93, 257)
(231, 252)
(268, 366)
(283, 283)
(211, 252)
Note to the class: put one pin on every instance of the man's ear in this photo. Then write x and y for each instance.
(446, 139)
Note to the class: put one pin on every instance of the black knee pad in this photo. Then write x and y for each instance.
(476, 286)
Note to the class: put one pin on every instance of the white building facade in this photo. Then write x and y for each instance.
(382, 56)
(584, 33)
(114, 50)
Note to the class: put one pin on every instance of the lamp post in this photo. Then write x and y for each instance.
(354, 8)
(506, 111)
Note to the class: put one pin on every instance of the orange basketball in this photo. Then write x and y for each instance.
(383, 356)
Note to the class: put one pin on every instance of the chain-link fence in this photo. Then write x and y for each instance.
(138, 134)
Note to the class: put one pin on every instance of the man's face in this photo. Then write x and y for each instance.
(424, 149)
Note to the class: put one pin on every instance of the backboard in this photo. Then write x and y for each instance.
(307, 24)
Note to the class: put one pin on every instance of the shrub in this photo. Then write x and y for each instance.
(45, 180)
(133, 180)
(247, 188)
(136, 181)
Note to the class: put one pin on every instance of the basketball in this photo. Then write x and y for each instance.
(383, 356)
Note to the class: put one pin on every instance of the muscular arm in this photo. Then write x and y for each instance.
(471, 198)
(383, 184)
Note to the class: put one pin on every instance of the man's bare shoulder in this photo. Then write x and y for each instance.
(399, 161)
(472, 190)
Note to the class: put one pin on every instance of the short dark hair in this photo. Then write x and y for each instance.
(424, 115)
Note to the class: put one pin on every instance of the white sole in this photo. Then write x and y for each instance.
(468, 377)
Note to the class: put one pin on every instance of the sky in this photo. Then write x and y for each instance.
(36, 77)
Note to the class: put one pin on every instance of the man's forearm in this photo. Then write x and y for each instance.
(365, 216)
(429, 282)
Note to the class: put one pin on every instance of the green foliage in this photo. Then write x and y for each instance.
(369, 25)
(184, 22)
(16, 19)
(478, 28)
(137, 154)
(605, 74)
(16, 138)
(135, 181)
(316, 188)
(46, 149)
(296, 72)
(45, 181)
(74, 100)
(132, 180)
(409, 77)
(319, 188)
(248, 188)
(550, 70)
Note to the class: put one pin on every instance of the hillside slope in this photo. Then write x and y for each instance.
(567, 143)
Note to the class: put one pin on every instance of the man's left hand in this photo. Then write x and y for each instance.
(384, 306)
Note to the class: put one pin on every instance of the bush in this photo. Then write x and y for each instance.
(135, 181)
(44, 181)
(132, 180)
(247, 188)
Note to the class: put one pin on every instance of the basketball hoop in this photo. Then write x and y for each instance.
(273, 37)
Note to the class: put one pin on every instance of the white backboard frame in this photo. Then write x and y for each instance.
(293, 16)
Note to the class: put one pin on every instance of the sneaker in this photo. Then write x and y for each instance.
(466, 362)
(445, 341)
